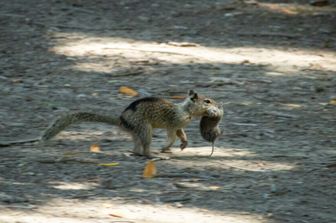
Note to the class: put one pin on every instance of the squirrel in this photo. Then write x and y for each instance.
(141, 117)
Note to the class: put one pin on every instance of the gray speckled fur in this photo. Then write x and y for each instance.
(145, 114)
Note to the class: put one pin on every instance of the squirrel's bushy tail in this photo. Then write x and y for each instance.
(64, 121)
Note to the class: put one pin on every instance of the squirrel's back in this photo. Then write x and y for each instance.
(158, 112)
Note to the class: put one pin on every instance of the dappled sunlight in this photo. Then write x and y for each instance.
(259, 165)
(118, 210)
(274, 74)
(219, 152)
(292, 106)
(238, 159)
(241, 159)
(272, 66)
(94, 67)
(294, 9)
(88, 131)
(79, 135)
(282, 61)
(61, 185)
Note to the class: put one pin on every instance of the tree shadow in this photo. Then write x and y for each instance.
(266, 110)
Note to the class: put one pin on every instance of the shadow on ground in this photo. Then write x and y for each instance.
(271, 65)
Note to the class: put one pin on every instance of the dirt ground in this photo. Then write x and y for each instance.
(272, 64)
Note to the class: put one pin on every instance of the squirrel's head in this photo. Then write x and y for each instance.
(199, 105)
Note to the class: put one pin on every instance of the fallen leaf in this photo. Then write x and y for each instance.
(116, 215)
(332, 101)
(17, 80)
(178, 97)
(95, 148)
(109, 164)
(150, 170)
(128, 91)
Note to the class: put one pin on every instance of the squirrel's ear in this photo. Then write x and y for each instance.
(193, 95)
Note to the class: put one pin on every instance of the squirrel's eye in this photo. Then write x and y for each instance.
(207, 101)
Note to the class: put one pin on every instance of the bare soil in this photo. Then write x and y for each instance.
(272, 64)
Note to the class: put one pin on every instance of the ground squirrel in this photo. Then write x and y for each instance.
(141, 117)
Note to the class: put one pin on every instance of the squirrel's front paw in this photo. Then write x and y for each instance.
(183, 145)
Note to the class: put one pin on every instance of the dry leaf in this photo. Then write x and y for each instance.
(95, 148)
(128, 91)
(115, 215)
(17, 80)
(150, 170)
(109, 164)
(332, 101)
(178, 97)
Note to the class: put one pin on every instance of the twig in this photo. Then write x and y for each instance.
(149, 51)
(61, 26)
(244, 124)
(130, 73)
(236, 167)
(280, 114)
(180, 175)
(66, 160)
(12, 15)
(176, 199)
(20, 142)
(268, 34)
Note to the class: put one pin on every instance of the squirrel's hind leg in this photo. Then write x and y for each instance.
(137, 150)
(183, 137)
(142, 139)
(171, 138)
